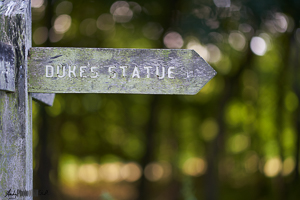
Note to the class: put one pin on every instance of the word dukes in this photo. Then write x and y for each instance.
(112, 71)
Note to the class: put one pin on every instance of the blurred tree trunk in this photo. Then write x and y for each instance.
(174, 189)
(217, 145)
(149, 146)
(296, 87)
(44, 162)
(171, 21)
(282, 82)
(44, 154)
(291, 7)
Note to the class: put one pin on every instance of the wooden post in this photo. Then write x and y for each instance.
(15, 107)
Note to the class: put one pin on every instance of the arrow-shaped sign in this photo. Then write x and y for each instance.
(133, 71)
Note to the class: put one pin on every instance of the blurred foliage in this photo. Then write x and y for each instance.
(238, 138)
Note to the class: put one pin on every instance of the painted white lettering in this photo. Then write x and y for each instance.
(124, 72)
(82, 71)
(64, 72)
(170, 72)
(72, 71)
(136, 72)
(51, 70)
(92, 70)
(163, 73)
(113, 73)
(148, 70)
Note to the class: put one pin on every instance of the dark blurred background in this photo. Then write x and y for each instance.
(238, 138)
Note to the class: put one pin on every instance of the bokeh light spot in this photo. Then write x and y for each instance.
(37, 3)
(154, 171)
(272, 167)
(110, 172)
(118, 4)
(239, 143)
(280, 22)
(288, 166)
(121, 12)
(209, 129)
(68, 169)
(214, 53)
(62, 23)
(246, 28)
(88, 27)
(131, 172)
(237, 40)
(152, 30)
(88, 173)
(135, 7)
(173, 40)
(251, 163)
(40, 35)
(54, 36)
(105, 22)
(258, 46)
(194, 167)
(201, 50)
(65, 7)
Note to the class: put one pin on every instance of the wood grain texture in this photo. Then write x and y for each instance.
(7, 67)
(15, 107)
(133, 71)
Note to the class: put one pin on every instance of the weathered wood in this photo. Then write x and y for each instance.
(133, 71)
(44, 98)
(15, 107)
(7, 67)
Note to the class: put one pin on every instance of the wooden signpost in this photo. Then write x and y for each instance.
(38, 73)
(133, 71)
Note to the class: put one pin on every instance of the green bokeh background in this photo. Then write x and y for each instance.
(238, 138)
